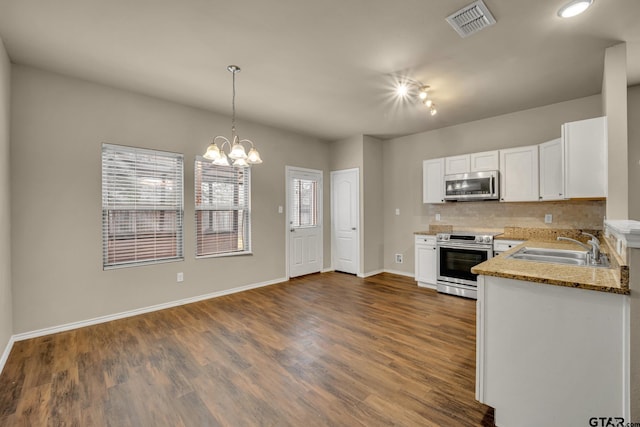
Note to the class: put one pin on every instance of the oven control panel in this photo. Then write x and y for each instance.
(465, 238)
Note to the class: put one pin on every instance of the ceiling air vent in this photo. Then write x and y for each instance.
(471, 19)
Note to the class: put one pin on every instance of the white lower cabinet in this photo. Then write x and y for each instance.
(500, 246)
(550, 355)
(425, 262)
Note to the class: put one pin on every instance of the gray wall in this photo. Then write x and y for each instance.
(6, 306)
(372, 184)
(365, 154)
(403, 172)
(614, 101)
(57, 127)
(347, 154)
(633, 99)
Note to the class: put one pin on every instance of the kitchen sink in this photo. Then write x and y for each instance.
(557, 256)
(562, 253)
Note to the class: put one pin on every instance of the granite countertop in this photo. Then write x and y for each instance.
(544, 234)
(610, 280)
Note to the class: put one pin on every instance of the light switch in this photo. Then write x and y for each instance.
(548, 219)
(280, 210)
(437, 217)
(397, 211)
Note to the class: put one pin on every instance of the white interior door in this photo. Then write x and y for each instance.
(304, 216)
(345, 216)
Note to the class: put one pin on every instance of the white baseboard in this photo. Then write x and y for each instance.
(135, 312)
(327, 270)
(399, 273)
(372, 273)
(5, 354)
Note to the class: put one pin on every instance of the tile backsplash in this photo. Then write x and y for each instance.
(585, 214)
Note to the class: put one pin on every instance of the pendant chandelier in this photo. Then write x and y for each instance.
(237, 152)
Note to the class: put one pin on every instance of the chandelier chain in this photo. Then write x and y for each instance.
(233, 105)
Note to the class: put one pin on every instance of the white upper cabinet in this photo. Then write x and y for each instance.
(474, 162)
(433, 181)
(457, 164)
(552, 170)
(485, 161)
(585, 145)
(519, 174)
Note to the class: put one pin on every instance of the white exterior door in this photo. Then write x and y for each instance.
(345, 215)
(304, 219)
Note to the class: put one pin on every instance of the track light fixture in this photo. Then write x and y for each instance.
(414, 88)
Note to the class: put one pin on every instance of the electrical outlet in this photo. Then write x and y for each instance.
(437, 217)
(180, 277)
(548, 219)
(399, 259)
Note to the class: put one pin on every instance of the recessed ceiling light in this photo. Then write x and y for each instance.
(573, 8)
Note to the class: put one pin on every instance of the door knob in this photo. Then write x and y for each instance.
(292, 230)
(353, 228)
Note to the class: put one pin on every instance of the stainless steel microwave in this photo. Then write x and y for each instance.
(472, 186)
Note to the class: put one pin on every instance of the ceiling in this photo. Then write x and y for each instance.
(327, 68)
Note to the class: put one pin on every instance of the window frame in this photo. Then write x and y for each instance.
(199, 164)
(135, 206)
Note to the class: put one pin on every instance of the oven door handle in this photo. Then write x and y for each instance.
(464, 246)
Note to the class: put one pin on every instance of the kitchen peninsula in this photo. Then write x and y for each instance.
(552, 339)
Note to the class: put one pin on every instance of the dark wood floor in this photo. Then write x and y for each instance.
(325, 349)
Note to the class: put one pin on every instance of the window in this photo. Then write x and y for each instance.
(304, 203)
(142, 206)
(222, 199)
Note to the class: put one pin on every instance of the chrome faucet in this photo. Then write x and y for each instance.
(593, 247)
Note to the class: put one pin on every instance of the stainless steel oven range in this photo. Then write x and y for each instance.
(457, 253)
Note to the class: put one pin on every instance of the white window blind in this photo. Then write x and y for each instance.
(222, 205)
(304, 203)
(142, 206)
